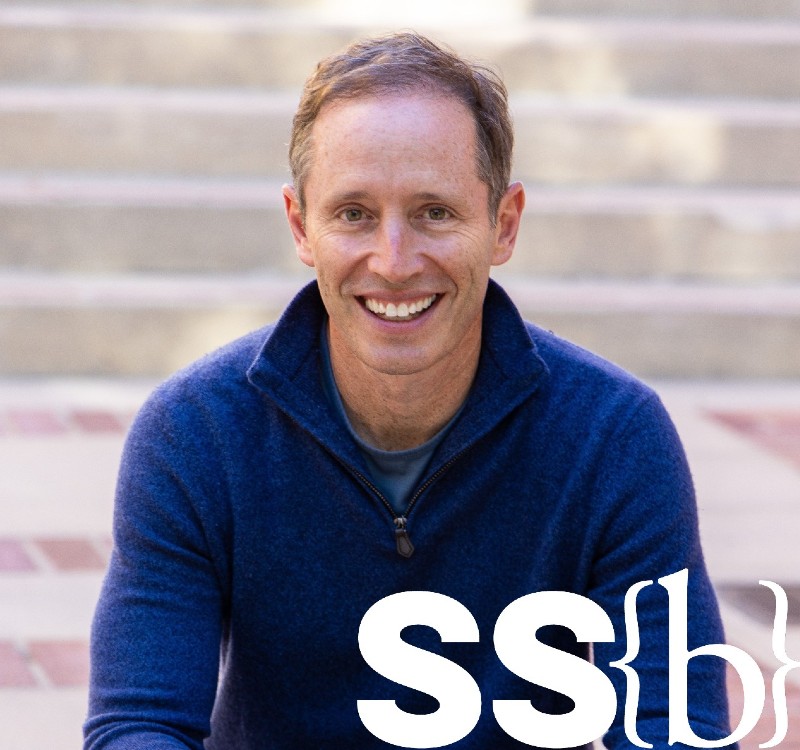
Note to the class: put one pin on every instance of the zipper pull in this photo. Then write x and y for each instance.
(404, 546)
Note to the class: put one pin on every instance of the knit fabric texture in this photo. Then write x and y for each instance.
(248, 544)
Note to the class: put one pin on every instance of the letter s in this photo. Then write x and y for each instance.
(590, 689)
(382, 648)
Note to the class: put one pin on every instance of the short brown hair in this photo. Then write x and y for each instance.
(402, 62)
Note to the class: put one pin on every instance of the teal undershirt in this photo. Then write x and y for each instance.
(395, 473)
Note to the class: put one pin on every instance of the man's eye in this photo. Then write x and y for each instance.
(437, 213)
(352, 214)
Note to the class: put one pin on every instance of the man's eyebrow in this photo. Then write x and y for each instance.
(351, 195)
(437, 197)
(361, 195)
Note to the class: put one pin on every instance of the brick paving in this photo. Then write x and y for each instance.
(39, 422)
(64, 663)
(72, 554)
(44, 664)
(47, 663)
(53, 663)
(15, 669)
(778, 431)
(14, 558)
(60, 664)
(765, 728)
(38, 555)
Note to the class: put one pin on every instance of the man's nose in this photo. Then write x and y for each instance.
(396, 254)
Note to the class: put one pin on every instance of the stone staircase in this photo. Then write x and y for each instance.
(143, 145)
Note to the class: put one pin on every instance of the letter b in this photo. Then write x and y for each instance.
(679, 656)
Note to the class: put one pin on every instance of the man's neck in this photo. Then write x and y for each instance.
(398, 412)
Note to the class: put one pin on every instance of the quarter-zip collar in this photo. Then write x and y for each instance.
(287, 370)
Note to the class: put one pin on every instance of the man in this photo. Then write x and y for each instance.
(399, 429)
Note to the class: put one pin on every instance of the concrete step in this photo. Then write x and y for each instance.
(199, 4)
(602, 141)
(643, 233)
(775, 9)
(672, 330)
(117, 224)
(128, 44)
(151, 326)
(244, 133)
(127, 325)
(123, 224)
(145, 130)
(768, 9)
(73, 223)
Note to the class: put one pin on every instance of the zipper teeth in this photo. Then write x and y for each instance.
(371, 486)
(429, 481)
(411, 503)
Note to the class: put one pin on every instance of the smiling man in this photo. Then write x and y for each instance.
(399, 227)
(399, 429)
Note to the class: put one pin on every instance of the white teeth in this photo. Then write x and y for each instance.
(401, 310)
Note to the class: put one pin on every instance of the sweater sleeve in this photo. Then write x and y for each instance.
(156, 632)
(651, 531)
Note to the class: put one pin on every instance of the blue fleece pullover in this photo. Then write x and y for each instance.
(249, 543)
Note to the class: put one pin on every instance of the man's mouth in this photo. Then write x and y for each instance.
(400, 311)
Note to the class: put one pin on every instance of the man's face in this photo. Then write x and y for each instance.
(398, 230)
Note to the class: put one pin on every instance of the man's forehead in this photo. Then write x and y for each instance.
(415, 132)
(394, 121)
(394, 98)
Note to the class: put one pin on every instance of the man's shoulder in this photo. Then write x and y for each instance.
(210, 385)
(223, 367)
(578, 373)
(597, 402)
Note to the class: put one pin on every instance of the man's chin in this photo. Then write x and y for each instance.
(407, 361)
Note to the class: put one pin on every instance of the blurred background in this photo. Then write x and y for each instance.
(142, 149)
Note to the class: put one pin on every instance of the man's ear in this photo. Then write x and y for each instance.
(294, 216)
(509, 215)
